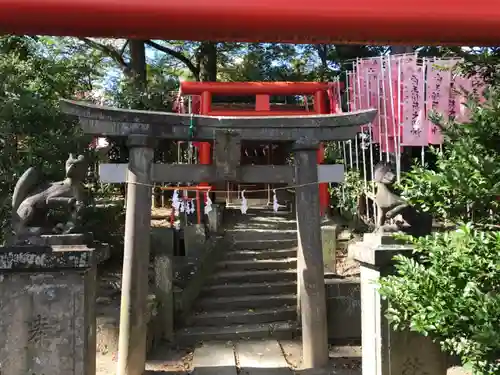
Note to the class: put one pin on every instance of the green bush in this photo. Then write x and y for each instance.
(345, 196)
(450, 292)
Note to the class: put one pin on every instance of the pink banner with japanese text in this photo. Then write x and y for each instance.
(438, 97)
(415, 128)
(461, 89)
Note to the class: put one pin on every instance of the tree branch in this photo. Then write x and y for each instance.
(109, 51)
(178, 55)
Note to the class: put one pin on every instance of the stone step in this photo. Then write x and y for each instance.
(249, 316)
(245, 302)
(260, 234)
(228, 290)
(257, 264)
(261, 254)
(262, 244)
(277, 330)
(229, 277)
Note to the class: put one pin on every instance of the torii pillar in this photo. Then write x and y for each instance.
(133, 324)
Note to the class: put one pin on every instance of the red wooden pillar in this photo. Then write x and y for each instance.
(204, 152)
(206, 105)
(262, 102)
(320, 107)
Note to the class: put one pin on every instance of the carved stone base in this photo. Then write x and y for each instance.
(386, 351)
(48, 306)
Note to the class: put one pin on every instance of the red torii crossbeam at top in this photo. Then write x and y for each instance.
(423, 22)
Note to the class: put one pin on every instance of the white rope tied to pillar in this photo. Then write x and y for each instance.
(276, 205)
(176, 203)
(208, 205)
(244, 203)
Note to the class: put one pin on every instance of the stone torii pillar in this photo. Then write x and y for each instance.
(310, 270)
(133, 325)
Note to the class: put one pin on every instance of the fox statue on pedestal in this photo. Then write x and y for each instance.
(33, 198)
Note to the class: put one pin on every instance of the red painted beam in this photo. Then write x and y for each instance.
(251, 113)
(252, 88)
(423, 22)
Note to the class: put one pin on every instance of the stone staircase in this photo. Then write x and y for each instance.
(252, 294)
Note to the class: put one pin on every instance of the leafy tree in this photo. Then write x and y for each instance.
(35, 74)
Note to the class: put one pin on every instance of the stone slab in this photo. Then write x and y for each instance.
(265, 354)
(376, 255)
(61, 239)
(215, 217)
(329, 244)
(343, 309)
(163, 241)
(214, 358)
(194, 240)
(47, 322)
(113, 173)
(31, 257)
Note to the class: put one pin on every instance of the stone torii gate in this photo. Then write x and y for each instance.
(142, 128)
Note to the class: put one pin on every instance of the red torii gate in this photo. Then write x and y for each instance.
(424, 22)
(262, 91)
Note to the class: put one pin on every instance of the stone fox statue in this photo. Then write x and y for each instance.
(390, 204)
(32, 198)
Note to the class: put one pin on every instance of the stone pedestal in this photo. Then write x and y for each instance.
(329, 232)
(215, 217)
(47, 304)
(194, 240)
(384, 350)
(162, 247)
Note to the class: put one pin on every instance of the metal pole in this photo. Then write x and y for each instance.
(133, 308)
(310, 268)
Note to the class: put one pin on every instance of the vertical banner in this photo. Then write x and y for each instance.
(462, 88)
(369, 71)
(478, 88)
(373, 83)
(415, 129)
(350, 92)
(361, 67)
(384, 106)
(354, 90)
(438, 97)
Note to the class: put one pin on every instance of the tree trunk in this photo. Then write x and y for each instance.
(398, 50)
(138, 62)
(207, 61)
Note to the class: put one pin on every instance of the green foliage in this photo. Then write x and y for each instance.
(345, 196)
(157, 94)
(33, 77)
(113, 217)
(466, 183)
(450, 292)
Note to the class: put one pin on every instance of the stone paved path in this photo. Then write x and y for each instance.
(267, 357)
